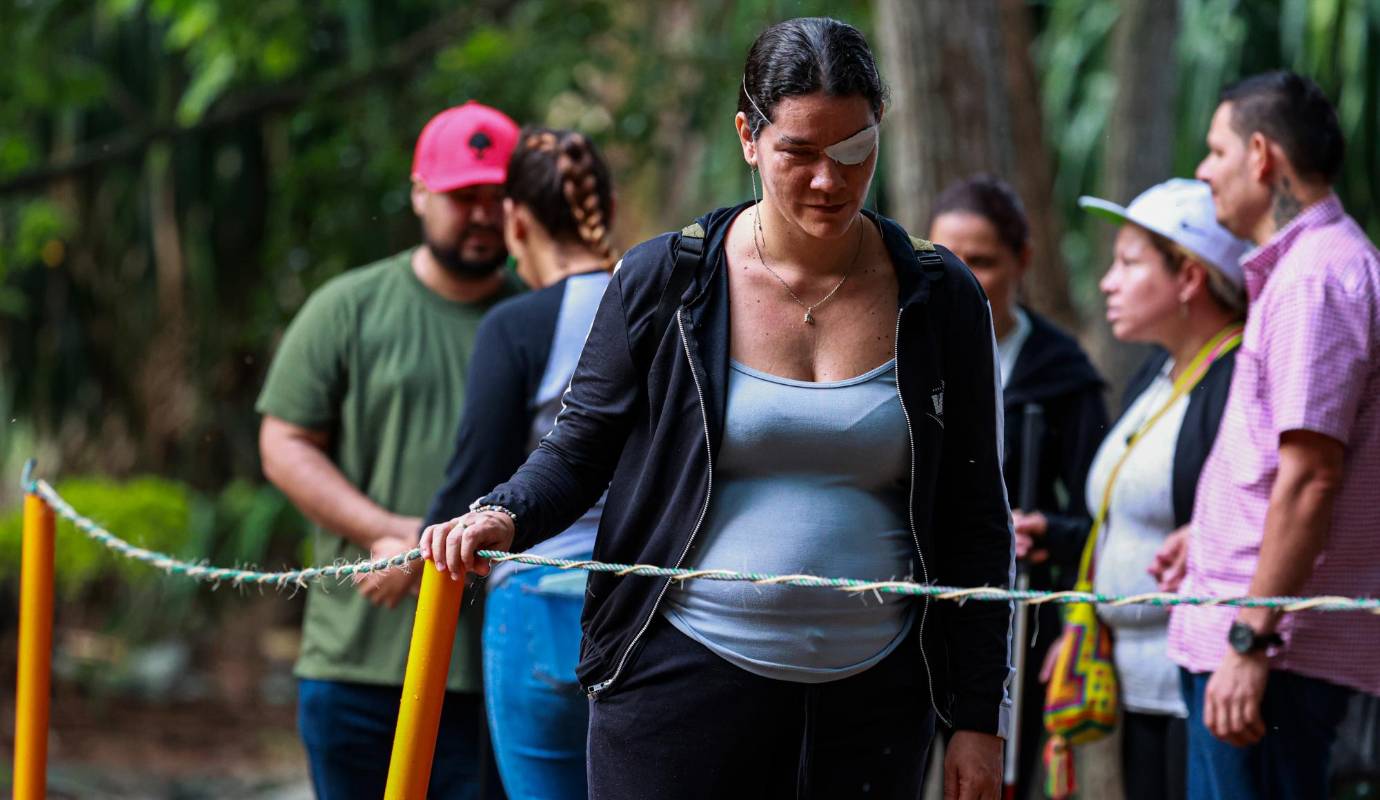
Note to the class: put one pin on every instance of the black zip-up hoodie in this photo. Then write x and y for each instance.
(650, 432)
(1054, 373)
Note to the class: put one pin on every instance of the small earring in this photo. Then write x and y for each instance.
(1183, 309)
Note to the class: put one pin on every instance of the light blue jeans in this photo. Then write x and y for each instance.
(538, 717)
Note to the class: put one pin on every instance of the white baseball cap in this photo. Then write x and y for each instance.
(1181, 210)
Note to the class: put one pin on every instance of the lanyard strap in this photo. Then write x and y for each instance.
(1223, 342)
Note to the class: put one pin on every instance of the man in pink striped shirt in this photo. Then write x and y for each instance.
(1287, 501)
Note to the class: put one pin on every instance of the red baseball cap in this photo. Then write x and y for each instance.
(464, 146)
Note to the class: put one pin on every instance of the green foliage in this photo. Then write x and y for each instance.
(246, 525)
(247, 152)
(149, 512)
(244, 153)
(1336, 42)
(40, 223)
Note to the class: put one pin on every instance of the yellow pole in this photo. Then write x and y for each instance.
(424, 686)
(35, 652)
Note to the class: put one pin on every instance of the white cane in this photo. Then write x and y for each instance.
(1032, 430)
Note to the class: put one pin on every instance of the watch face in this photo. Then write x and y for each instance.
(1241, 637)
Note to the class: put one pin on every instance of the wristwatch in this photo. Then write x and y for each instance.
(1244, 640)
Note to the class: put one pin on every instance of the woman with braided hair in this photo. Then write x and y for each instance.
(792, 385)
(557, 211)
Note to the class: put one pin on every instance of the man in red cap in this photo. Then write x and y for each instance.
(359, 412)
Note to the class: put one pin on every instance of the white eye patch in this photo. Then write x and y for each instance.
(850, 152)
(855, 149)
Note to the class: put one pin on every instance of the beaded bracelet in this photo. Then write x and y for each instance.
(494, 508)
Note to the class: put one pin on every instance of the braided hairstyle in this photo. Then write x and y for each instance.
(561, 177)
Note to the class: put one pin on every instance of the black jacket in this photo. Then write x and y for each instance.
(1199, 429)
(1054, 373)
(653, 430)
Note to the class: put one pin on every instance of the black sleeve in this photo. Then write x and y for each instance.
(971, 508)
(1206, 403)
(1081, 430)
(491, 440)
(572, 466)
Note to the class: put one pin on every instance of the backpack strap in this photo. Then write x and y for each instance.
(689, 253)
(921, 244)
(926, 254)
(688, 256)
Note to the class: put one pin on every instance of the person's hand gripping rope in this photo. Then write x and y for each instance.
(453, 546)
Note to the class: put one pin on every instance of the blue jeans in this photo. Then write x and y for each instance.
(538, 717)
(1301, 717)
(348, 728)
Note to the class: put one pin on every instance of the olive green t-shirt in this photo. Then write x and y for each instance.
(379, 361)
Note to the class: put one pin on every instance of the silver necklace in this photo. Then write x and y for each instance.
(809, 308)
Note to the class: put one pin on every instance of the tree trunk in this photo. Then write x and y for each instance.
(1140, 143)
(1140, 132)
(673, 26)
(950, 114)
(967, 102)
(168, 397)
(1046, 284)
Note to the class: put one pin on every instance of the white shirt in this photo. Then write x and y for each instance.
(1009, 346)
(1139, 517)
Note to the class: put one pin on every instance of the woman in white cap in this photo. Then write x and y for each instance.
(1174, 282)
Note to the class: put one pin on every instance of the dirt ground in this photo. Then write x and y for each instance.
(172, 720)
(167, 752)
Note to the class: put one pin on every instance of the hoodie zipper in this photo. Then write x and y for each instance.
(910, 517)
(704, 511)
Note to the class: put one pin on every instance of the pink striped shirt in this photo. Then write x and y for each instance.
(1310, 360)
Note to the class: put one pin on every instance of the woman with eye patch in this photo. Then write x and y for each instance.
(790, 385)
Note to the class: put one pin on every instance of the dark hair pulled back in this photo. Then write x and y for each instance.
(994, 200)
(561, 177)
(803, 56)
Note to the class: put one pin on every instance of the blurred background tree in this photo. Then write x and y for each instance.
(177, 175)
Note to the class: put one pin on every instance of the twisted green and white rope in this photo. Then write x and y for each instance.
(203, 572)
(1028, 596)
(341, 572)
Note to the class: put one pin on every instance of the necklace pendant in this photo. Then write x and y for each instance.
(809, 318)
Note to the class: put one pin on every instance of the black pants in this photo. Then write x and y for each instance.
(684, 723)
(1154, 756)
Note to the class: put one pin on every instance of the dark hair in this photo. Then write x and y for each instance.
(803, 56)
(1292, 111)
(994, 200)
(561, 177)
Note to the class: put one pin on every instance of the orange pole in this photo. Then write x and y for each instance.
(35, 652)
(424, 686)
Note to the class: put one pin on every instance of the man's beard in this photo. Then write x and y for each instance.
(459, 267)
